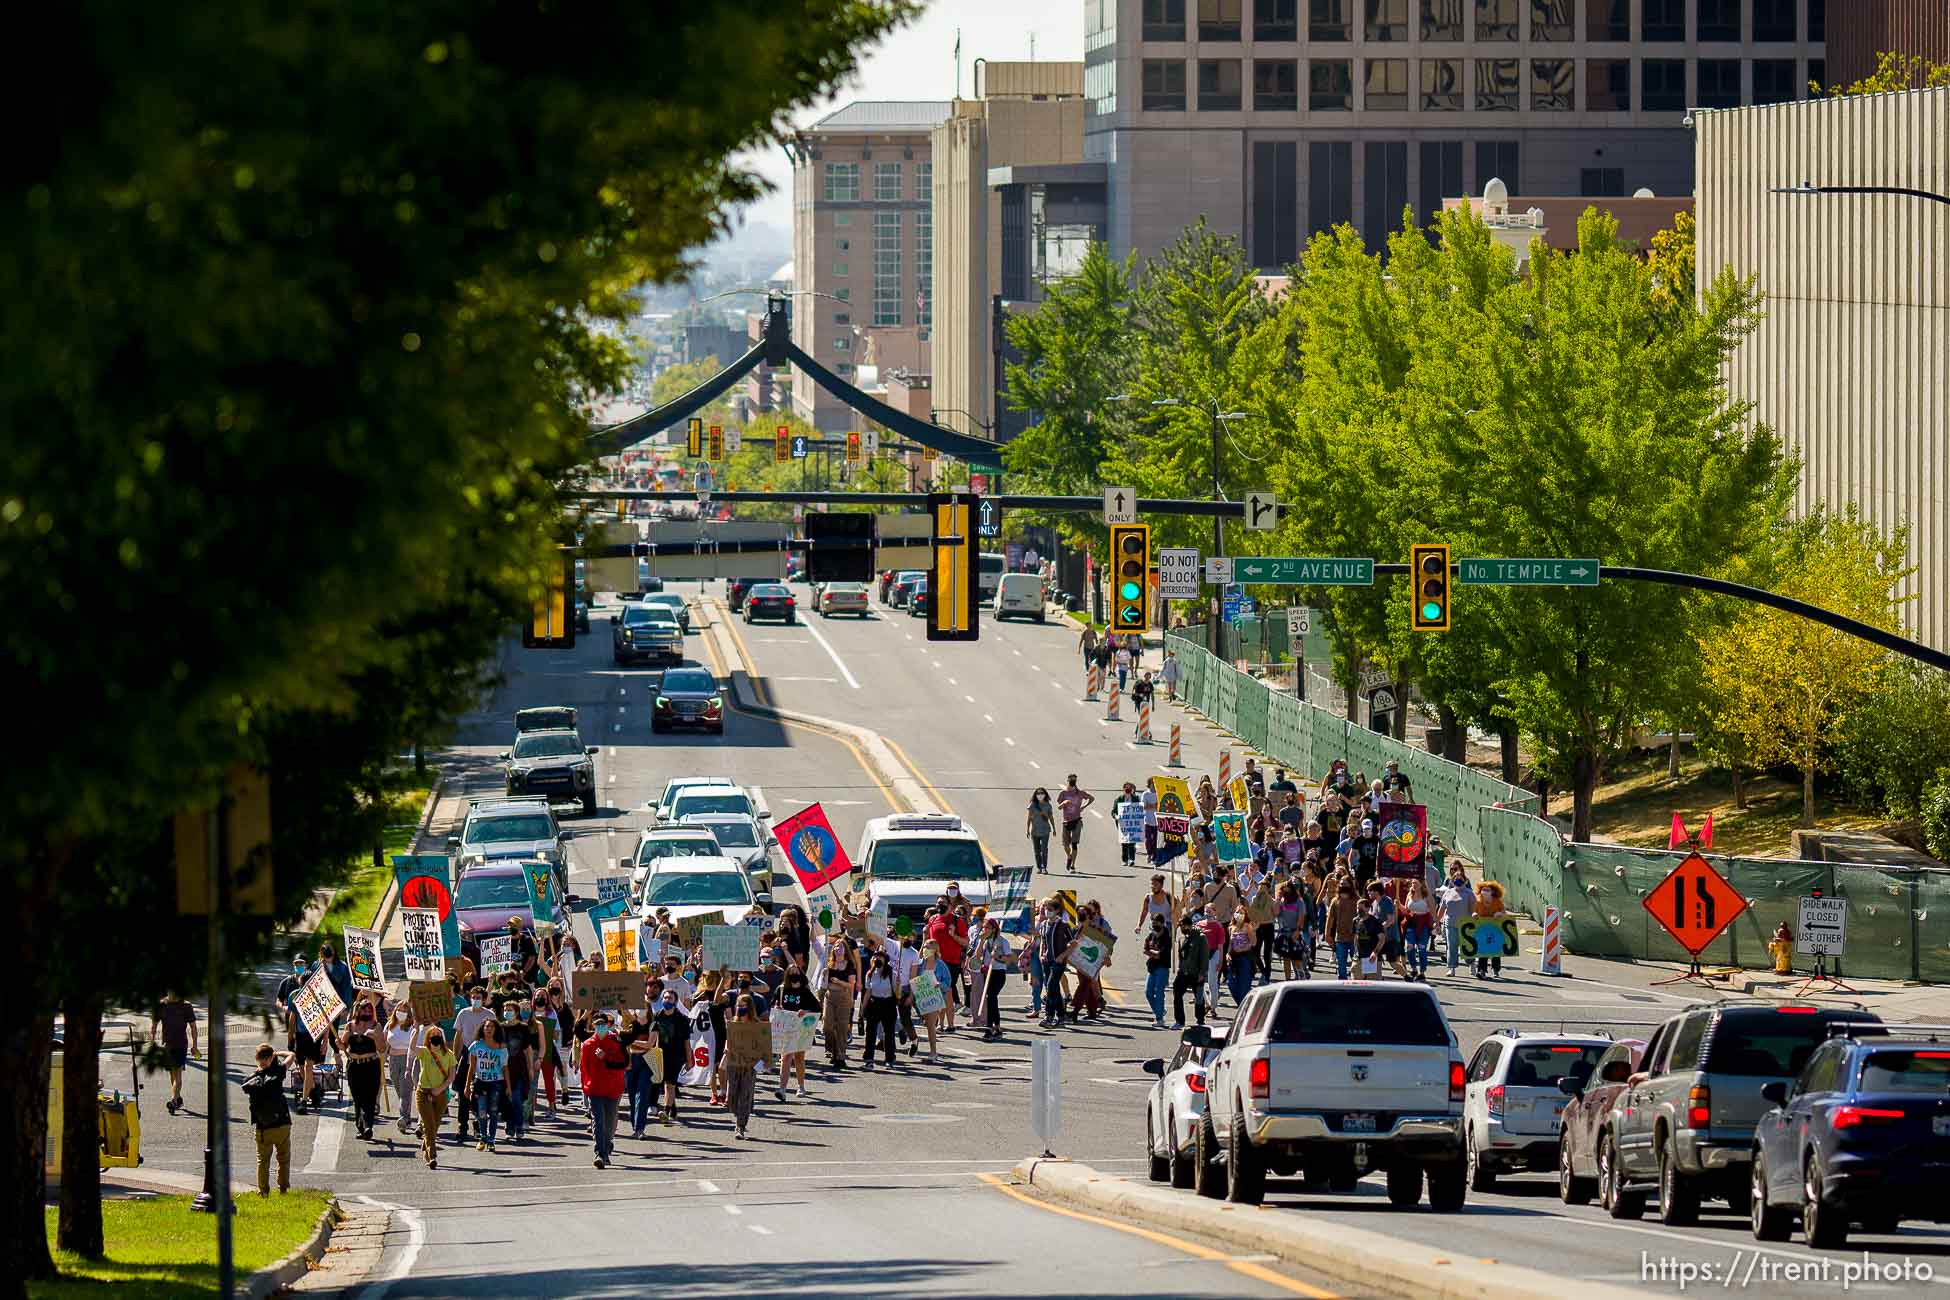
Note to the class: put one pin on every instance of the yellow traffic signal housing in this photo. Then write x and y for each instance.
(1130, 571)
(1428, 576)
(782, 449)
(694, 438)
(717, 442)
(243, 849)
(953, 597)
(853, 446)
(552, 625)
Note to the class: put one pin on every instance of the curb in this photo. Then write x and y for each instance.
(1376, 1262)
(382, 915)
(268, 1281)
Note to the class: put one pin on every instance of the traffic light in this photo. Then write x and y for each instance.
(694, 438)
(853, 446)
(717, 442)
(552, 626)
(243, 830)
(952, 592)
(1130, 569)
(782, 450)
(1428, 574)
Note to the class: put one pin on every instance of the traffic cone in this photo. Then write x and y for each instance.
(1091, 679)
(1144, 722)
(1176, 758)
(1110, 708)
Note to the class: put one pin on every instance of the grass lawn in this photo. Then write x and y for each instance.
(159, 1249)
(1635, 802)
(359, 895)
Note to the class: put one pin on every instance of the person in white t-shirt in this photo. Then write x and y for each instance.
(906, 961)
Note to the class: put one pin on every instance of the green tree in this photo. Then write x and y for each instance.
(1892, 740)
(303, 307)
(1893, 72)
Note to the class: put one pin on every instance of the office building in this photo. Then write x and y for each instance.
(1851, 363)
(1911, 28)
(1278, 118)
(862, 237)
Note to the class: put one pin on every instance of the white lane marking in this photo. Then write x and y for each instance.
(710, 1188)
(624, 690)
(1097, 813)
(622, 708)
(615, 726)
(988, 717)
(834, 655)
(733, 1210)
(325, 1145)
(1033, 763)
(760, 1229)
(953, 682)
(409, 1255)
(969, 698)
(1009, 740)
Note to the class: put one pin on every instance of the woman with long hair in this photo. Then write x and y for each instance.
(741, 1077)
(486, 1079)
(403, 1061)
(842, 982)
(1040, 826)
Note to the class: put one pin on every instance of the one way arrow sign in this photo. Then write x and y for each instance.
(988, 522)
(1120, 505)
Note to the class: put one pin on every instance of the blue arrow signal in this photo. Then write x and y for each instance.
(798, 448)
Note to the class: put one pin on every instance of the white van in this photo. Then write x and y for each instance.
(906, 861)
(1019, 595)
(989, 569)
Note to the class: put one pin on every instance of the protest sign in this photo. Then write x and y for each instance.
(649, 952)
(1488, 936)
(541, 893)
(1011, 888)
(619, 943)
(1092, 948)
(318, 1004)
(747, 1043)
(432, 1000)
(730, 947)
(362, 955)
(1242, 794)
(421, 928)
(607, 990)
(608, 909)
(811, 849)
(422, 881)
(497, 954)
(792, 1031)
(1404, 835)
(704, 1045)
(611, 886)
(928, 997)
(1229, 836)
(1130, 822)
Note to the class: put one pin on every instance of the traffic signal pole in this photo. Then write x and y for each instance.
(1212, 622)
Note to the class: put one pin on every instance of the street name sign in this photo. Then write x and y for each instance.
(1178, 573)
(1120, 505)
(1528, 573)
(1301, 571)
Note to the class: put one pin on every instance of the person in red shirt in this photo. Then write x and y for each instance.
(603, 1063)
(948, 931)
(1215, 941)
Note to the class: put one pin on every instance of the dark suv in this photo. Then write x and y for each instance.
(1685, 1120)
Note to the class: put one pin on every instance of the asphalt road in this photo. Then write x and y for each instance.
(878, 1182)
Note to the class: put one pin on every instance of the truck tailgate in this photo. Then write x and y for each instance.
(1340, 1077)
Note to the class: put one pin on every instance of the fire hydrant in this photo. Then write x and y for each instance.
(1782, 946)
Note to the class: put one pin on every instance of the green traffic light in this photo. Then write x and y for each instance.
(1431, 611)
(1129, 591)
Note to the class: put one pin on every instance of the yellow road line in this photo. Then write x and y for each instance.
(751, 666)
(1258, 1272)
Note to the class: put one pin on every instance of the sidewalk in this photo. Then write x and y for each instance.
(1893, 1000)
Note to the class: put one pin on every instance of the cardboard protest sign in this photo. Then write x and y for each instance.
(1130, 822)
(730, 947)
(1091, 950)
(362, 955)
(497, 954)
(1229, 836)
(1488, 936)
(1242, 794)
(747, 1043)
(650, 952)
(607, 990)
(318, 1004)
(611, 886)
(619, 943)
(432, 1001)
(792, 1031)
(421, 928)
(928, 997)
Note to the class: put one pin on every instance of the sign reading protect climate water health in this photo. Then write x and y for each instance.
(730, 947)
(420, 926)
(1303, 571)
(1543, 572)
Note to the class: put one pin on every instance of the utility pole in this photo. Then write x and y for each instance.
(1218, 527)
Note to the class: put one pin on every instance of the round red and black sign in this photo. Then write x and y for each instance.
(427, 891)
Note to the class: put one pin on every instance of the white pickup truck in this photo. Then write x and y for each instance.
(1335, 1079)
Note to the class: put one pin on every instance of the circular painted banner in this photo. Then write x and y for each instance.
(812, 849)
(427, 891)
(1401, 840)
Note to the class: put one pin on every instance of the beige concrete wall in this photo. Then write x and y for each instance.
(1852, 364)
(1045, 80)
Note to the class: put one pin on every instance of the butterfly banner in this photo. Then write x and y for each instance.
(1404, 833)
(1229, 834)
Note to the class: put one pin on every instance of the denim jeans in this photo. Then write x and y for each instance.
(602, 1124)
(1239, 975)
(1416, 945)
(1193, 985)
(1039, 845)
(514, 1112)
(642, 1092)
(487, 1106)
(1035, 983)
(1154, 991)
(1452, 944)
(1343, 958)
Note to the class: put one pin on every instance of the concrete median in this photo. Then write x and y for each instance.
(1374, 1261)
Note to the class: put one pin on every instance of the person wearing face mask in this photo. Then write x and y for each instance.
(434, 1070)
(402, 1061)
(796, 996)
(548, 1036)
(360, 1042)
(905, 961)
(741, 1077)
(880, 992)
(467, 1032)
(671, 1029)
(518, 1037)
(645, 1064)
(487, 1068)
(1041, 825)
(307, 1051)
(602, 1061)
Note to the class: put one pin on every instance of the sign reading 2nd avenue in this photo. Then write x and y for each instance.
(1297, 571)
(1528, 573)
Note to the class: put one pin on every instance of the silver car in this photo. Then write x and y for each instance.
(743, 840)
(1176, 1103)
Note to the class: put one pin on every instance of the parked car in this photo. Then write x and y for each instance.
(842, 598)
(688, 697)
(1861, 1137)
(1582, 1131)
(1512, 1106)
(1336, 1079)
(1177, 1102)
(1685, 1122)
(771, 600)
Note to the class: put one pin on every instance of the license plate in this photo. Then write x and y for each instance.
(1357, 1121)
(1940, 1125)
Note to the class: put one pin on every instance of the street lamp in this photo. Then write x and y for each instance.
(1808, 189)
(1219, 418)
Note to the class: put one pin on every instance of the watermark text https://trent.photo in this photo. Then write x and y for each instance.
(1745, 1268)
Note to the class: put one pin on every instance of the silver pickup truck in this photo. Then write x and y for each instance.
(1333, 1080)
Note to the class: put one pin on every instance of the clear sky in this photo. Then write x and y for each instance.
(918, 62)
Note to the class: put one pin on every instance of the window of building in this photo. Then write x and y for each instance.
(1164, 20)
(1496, 20)
(1384, 184)
(1330, 20)
(1330, 85)
(1663, 20)
(924, 181)
(1276, 211)
(1442, 20)
(843, 368)
(1441, 175)
(1330, 184)
(1164, 85)
(1496, 85)
(1442, 88)
(843, 293)
(924, 266)
(842, 344)
(1100, 85)
(1218, 20)
(1384, 85)
(1818, 72)
(1276, 86)
(1774, 81)
(1608, 85)
(1609, 20)
(1719, 20)
(1218, 85)
(1662, 85)
(842, 182)
(1719, 83)
(886, 268)
(1276, 20)
(842, 245)
(840, 268)
(1817, 21)
(1553, 86)
(1550, 20)
(1601, 182)
(1498, 158)
(1387, 20)
(842, 218)
(842, 318)
(1774, 20)
(887, 182)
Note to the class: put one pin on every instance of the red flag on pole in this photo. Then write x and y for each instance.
(808, 842)
(1706, 836)
(1676, 837)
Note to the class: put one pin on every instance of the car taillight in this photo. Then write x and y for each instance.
(1196, 1082)
(1567, 1049)
(1458, 1080)
(1699, 1108)
(1494, 1097)
(1855, 1116)
(1259, 1079)
(1797, 1011)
